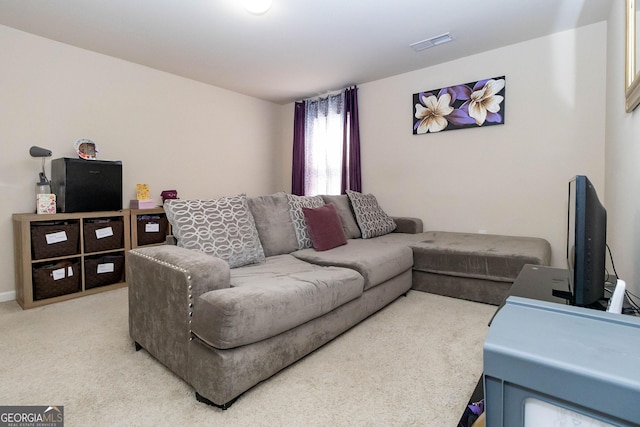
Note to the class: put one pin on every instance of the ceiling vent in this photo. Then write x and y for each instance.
(433, 41)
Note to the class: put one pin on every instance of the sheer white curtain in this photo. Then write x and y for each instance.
(324, 129)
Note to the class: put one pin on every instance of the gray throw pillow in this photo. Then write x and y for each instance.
(296, 203)
(372, 220)
(343, 206)
(274, 224)
(222, 227)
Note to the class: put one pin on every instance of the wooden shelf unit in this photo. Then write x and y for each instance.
(25, 262)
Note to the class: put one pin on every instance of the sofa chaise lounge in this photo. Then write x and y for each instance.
(267, 297)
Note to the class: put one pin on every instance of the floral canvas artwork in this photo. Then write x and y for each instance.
(467, 105)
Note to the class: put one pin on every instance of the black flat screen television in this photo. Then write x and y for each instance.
(586, 243)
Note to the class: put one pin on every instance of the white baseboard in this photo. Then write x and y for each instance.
(7, 296)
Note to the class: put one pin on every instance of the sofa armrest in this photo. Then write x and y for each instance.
(408, 225)
(164, 282)
(204, 272)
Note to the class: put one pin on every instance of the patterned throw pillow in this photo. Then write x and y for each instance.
(296, 203)
(372, 220)
(223, 228)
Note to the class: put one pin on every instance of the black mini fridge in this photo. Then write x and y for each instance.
(86, 185)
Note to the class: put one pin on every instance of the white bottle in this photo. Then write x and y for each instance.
(43, 188)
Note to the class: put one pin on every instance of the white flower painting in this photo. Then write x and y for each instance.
(462, 106)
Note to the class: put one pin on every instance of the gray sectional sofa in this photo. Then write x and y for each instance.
(244, 294)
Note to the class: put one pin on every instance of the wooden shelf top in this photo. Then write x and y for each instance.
(70, 215)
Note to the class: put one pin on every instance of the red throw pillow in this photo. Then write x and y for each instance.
(324, 227)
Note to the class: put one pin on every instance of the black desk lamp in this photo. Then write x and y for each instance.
(43, 185)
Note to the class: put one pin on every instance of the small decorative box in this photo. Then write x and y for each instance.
(142, 204)
(46, 203)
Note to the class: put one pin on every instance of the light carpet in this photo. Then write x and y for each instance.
(414, 363)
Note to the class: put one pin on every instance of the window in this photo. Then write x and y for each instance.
(326, 145)
(324, 130)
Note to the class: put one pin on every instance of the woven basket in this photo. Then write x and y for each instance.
(152, 237)
(46, 244)
(54, 280)
(103, 235)
(103, 271)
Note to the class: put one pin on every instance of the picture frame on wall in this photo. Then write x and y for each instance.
(476, 104)
(632, 77)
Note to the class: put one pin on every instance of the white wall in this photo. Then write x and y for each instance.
(509, 179)
(204, 141)
(170, 132)
(622, 159)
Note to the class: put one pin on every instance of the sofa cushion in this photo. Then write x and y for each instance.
(222, 227)
(480, 256)
(274, 224)
(372, 220)
(343, 206)
(271, 298)
(406, 239)
(324, 227)
(296, 203)
(376, 262)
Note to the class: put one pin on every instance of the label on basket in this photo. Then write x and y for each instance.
(58, 274)
(152, 228)
(69, 271)
(57, 237)
(106, 268)
(104, 232)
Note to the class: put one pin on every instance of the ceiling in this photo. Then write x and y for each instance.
(300, 48)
